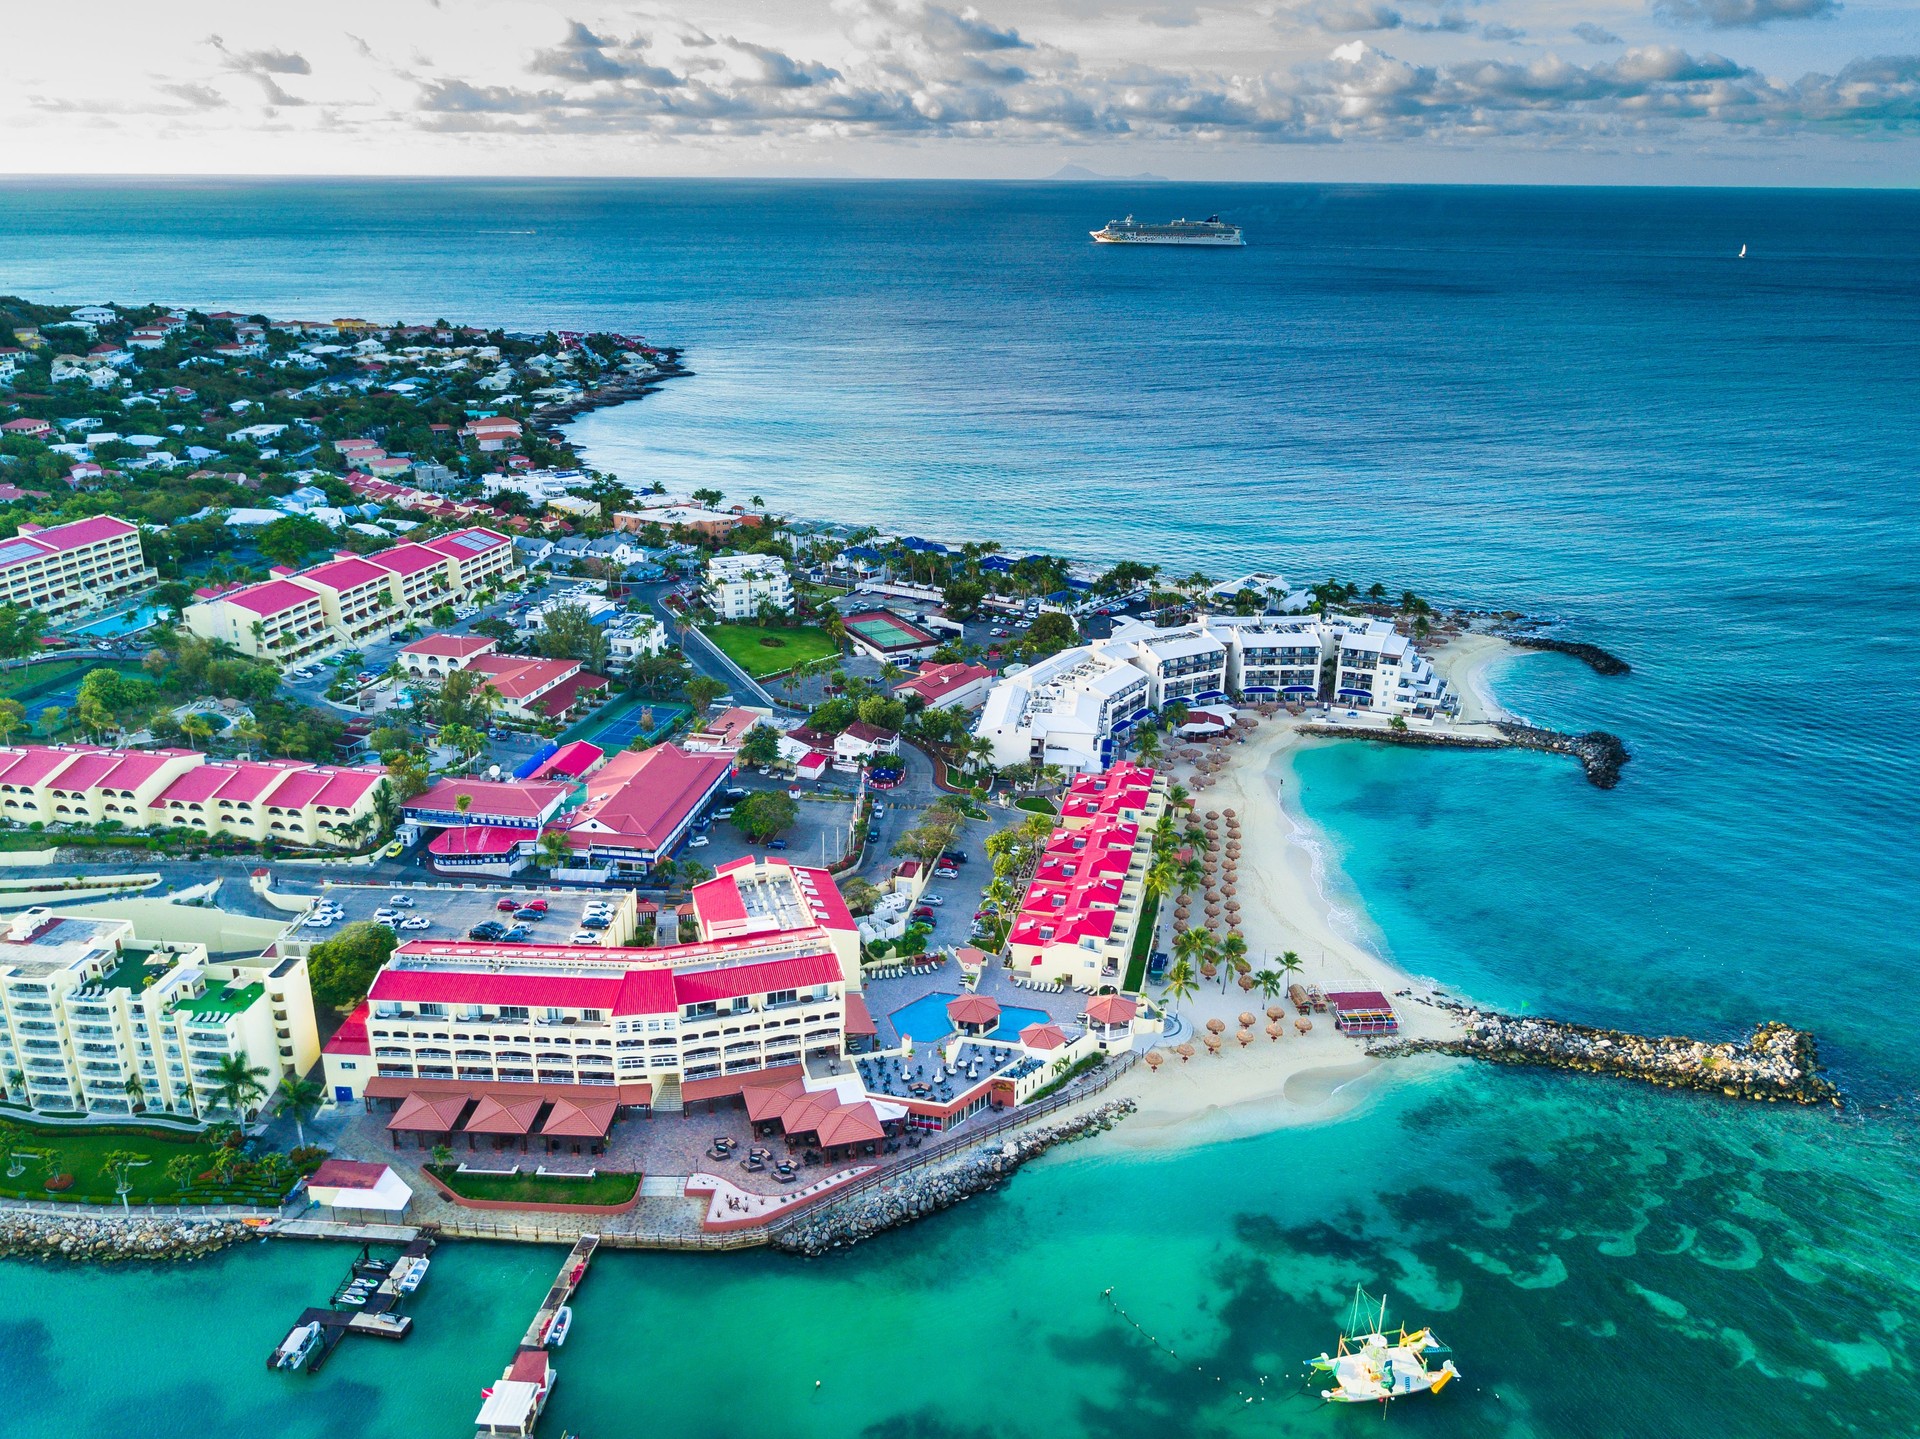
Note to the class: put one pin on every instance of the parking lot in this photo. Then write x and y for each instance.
(450, 913)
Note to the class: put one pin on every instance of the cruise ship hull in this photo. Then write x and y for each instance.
(1213, 241)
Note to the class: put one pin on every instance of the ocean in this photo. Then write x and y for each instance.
(1576, 403)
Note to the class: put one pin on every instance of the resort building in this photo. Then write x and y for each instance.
(1084, 903)
(434, 658)
(740, 586)
(96, 1020)
(1064, 710)
(1275, 594)
(288, 800)
(954, 686)
(351, 599)
(728, 730)
(763, 985)
(67, 569)
(531, 690)
(714, 524)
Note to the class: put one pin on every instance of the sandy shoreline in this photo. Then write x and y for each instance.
(1298, 1079)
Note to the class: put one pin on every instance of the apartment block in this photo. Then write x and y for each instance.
(66, 569)
(739, 585)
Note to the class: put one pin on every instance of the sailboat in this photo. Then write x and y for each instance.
(1370, 1364)
(1743, 252)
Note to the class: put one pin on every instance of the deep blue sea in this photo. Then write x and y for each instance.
(1577, 403)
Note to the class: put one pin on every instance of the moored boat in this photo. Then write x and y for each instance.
(1370, 1364)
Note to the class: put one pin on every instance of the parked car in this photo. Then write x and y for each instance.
(385, 916)
(506, 906)
(726, 813)
(945, 871)
(925, 912)
(933, 899)
(485, 931)
(954, 856)
(519, 934)
(734, 792)
(776, 844)
(539, 904)
(530, 913)
(400, 901)
(699, 841)
(595, 921)
(584, 936)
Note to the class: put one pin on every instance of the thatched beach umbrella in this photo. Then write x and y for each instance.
(1213, 1044)
(1155, 1058)
(1276, 1011)
(1246, 983)
(1216, 1025)
(1246, 1020)
(1231, 813)
(1245, 1037)
(1274, 1031)
(1185, 1051)
(1303, 1024)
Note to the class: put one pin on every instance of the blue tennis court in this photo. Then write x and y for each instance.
(620, 725)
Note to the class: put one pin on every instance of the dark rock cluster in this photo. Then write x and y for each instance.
(104, 1238)
(921, 1192)
(1601, 661)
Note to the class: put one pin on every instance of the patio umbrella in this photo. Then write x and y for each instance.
(1246, 1020)
(1216, 1025)
(1155, 1059)
(1276, 1011)
(1246, 983)
(1245, 1037)
(1227, 888)
(1303, 1024)
(1212, 815)
(1213, 1044)
(1230, 813)
(1185, 1051)
(1274, 1031)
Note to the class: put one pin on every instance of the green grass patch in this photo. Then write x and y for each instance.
(1035, 804)
(80, 1152)
(1142, 945)
(763, 650)
(1080, 1067)
(606, 1187)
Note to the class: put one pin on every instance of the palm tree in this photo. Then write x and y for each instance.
(247, 730)
(196, 727)
(1233, 949)
(1289, 965)
(1192, 875)
(236, 1082)
(136, 1089)
(1180, 982)
(554, 849)
(1148, 744)
(300, 1099)
(1193, 947)
(1271, 982)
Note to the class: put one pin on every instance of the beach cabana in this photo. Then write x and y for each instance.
(576, 1120)
(1043, 1037)
(766, 1104)
(804, 1115)
(430, 1116)
(849, 1125)
(357, 1191)
(1362, 1011)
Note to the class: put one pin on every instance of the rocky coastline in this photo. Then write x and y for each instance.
(920, 1192)
(1600, 754)
(1600, 661)
(1774, 1064)
(550, 418)
(107, 1238)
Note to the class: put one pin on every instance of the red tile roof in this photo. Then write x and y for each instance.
(557, 991)
(500, 798)
(562, 697)
(573, 759)
(272, 598)
(345, 574)
(450, 646)
(351, 1036)
(57, 539)
(479, 839)
(347, 1174)
(763, 978)
(408, 559)
(514, 677)
(644, 796)
(935, 682)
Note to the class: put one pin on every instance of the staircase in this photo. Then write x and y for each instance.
(666, 1097)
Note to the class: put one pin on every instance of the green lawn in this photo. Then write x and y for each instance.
(80, 1152)
(1035, 804)
(763, 650)
(606, 1187)
(1142, 946)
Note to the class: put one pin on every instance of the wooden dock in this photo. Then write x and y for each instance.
(564, 1283)
(380, 1317)
(514, 1404)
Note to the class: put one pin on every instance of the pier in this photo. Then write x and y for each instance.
(512, 1407)
(368, 1303)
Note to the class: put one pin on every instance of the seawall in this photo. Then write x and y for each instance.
(1600, 754)
(918, 1193)
(104, 1238)
(1775, 1063)
(1600, 661)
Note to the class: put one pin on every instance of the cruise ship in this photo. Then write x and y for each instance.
(1210, 231)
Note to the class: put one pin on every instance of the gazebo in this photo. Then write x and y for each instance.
(504, 1119)
(429, 1116)
(1111, 1015)
(1043, 1036)
(577, 1120)
(768, 1103)
(974, 1013)
(849, 1125)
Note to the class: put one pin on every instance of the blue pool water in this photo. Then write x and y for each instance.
(926, 1019)
(113, 626)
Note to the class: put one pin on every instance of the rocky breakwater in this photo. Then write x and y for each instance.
(936, 1186)
(1775, 1063)
(1600, 661)
(101, 1239)
(1600, 754)
(618, 390)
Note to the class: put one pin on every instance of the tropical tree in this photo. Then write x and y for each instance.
(1193, 947)
(136, 1090)
(1180, 983)
(1271, 982)
(118, 1165)
(386, 807)
(182, 1170)
(1289, 966)
(702, 691)
(555, 852)
(13, 719)
(236, 1083)
(300, 1100)
(1147, 744)
(1233, 950)
(196, 727)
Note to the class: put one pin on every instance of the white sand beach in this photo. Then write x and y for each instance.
(1462, 663)
(1296, 1079)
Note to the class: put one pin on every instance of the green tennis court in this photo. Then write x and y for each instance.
(885, 634)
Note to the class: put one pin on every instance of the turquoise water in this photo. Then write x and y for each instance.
(1572, 402)
(926, 1019)
(130, 622)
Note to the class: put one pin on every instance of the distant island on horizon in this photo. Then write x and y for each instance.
(1081, 172)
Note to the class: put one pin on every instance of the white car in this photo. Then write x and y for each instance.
(401, 901)
(416, 921)
(584, 936)
(386, 916)
(699, 841)
(933, 899)
(319, 921)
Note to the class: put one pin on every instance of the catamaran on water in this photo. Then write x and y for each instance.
(1370, 1364)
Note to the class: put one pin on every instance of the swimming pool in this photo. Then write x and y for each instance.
(113, 626)
(926, 1019)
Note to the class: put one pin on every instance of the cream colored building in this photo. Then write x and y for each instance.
(70, 568)
(96, 1019)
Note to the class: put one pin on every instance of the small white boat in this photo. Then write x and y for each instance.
(295, 1349)
(562, 1322)
(410, 1274)
(1743, 252)
(1369, 1364)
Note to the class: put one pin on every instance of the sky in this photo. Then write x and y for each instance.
(1743, 92)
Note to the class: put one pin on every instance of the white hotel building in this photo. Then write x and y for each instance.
(1073, 709)
(738, 585)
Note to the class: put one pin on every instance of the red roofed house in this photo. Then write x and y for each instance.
(537, 689)
(67, 569)
(860, 742)
(1083, 905)
(31, 428)
(437, 656)
(955, 686)
(642, 803)
(726, 730)
(762, 986)
(513, 804)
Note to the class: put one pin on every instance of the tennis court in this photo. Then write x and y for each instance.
(618, 726)
(886, 632)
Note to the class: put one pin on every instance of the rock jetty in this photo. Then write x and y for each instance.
(550, 418)
(102, 1239)
(1600, 661)
(1600, 754)
(1775, 1063)
(936, 1186)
